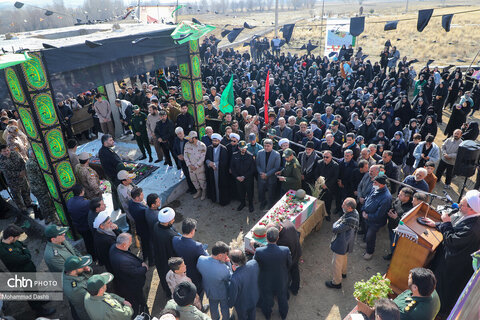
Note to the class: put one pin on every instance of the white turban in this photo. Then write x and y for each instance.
(166, 215)
(473, 200)
(234, 135)
(216, 136)
(282, 141)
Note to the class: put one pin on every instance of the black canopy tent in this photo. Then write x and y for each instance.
(74, 65)
(78, 67)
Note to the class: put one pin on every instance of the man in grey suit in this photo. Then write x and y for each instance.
(283, 130)
(267, 162)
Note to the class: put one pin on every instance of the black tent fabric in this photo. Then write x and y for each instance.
(78, 67)
(247, 26)
(357, 25)
(423, 19)
(390, 25)
(195, 20)
(446, 21)
(310, 47)
(225, 32)
(288, 31)
(234, 34)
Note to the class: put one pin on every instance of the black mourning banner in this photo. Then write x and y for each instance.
(234, 34)
(357, 25)
(423, 19)
(390, 25)
(446, 21)
(288, 31)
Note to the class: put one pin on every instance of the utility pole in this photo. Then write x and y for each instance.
(321, 22)
(276, 18)
(406, 7)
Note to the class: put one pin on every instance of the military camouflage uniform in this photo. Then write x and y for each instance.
(194, 154)
(13, 169)
(107, 307)
(89, 180)
(56, 254)
(39, 188)
(75, 288)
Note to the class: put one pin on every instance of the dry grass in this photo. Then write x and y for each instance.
(462, 42)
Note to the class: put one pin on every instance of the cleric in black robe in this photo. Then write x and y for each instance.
(453, 262)
(218, 179)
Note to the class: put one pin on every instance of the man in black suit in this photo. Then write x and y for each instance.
(332, 146)
(190, 250)
(111, 165)
(129, 272)
(289, 237)
(137, 210)
(164, 132)
(275, 262)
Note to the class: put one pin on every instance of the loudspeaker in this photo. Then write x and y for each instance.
(468, 155)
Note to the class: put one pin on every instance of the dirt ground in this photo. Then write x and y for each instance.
(314, 301)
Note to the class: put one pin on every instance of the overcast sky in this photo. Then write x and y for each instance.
(40, 3)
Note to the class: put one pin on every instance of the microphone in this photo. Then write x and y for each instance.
(455, 208)
(449, 199)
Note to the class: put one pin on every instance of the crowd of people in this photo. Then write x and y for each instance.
(339, 127)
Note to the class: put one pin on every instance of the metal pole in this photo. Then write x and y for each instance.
(176, 14)
(406, 7)
(321, 23)
(276, 18)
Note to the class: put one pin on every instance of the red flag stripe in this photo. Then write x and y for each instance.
(267, 93)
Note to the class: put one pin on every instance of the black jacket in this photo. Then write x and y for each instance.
(103, 242)
(330, 172)
(163, 250)
(111, 163)
(129, 275)
(336, 149)
(186, 122)
(275, 262)
(242, 165)
(289, 237)
(165, 130)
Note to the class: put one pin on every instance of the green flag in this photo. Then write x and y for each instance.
(10, 59)
(187, 30)
(227, 100)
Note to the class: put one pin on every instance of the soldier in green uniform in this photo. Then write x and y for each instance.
(57, 249)
(139, 127)
(17, 258)
(291, 175)
(421, 301)
(75, 277)
(101, 305)
(271, 133)
(39, 189)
